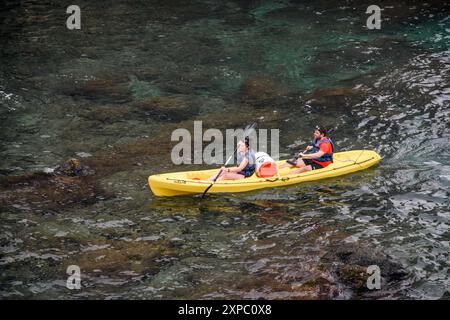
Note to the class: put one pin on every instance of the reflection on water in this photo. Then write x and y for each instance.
(112, 93)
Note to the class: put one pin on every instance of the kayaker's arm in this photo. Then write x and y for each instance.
(314, 155)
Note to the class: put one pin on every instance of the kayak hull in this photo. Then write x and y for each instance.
(191, 182)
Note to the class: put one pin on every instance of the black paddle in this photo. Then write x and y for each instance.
(247, 129)
(293, 161)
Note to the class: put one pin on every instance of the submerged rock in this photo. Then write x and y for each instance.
(73, 168)
(350, 262)
(71, 183)
(112, 89)
(109, 114)
(335, 97)
(140, 152)
(341, 273)
(259, 91)
(176, 107)
(187, 84)
(114, 257)
(333, 92)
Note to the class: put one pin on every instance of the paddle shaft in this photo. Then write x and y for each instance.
(304, 151)
(294, 160)
(218, 175)
(220, 171)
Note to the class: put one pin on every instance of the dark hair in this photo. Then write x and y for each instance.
(322, 130)
(247, 142)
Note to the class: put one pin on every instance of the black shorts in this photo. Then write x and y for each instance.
(246, 173)
(314, 165)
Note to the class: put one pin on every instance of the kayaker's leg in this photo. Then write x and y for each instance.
(300, 163)
(286, 165)
(302, 169)
(214, 176)
(231, 176)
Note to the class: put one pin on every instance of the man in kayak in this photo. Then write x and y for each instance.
(246, 160)
(320, 155)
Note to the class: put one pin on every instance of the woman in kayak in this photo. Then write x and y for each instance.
(320, 156)
(245, 159)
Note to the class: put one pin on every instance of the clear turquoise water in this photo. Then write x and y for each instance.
(263, 244)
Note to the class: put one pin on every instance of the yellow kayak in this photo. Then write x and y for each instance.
(187, 182)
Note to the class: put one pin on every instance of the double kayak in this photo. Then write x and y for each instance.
(194, 182)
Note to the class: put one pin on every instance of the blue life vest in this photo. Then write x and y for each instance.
(316, 147)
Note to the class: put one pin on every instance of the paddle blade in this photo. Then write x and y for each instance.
(207, 189)
(249, 128)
